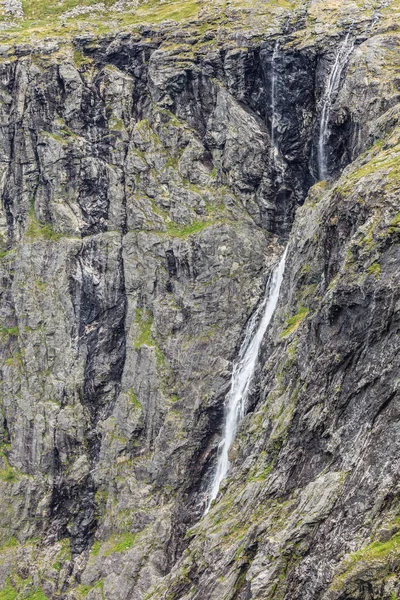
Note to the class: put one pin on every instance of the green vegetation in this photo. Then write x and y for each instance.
(65, 551)
(4, 250)
(294, 322)
(81, 59)
(144, 321)
(183, 231)
(37, 230)
(377, 160)
(120, 543)
(6, 332)
(394, 226)
(376, 550)
(116, 125)
(305, 269)
(263, 475)
(10, 543)
(134, 399)
(95, 548)
(375, 553)
(367, 242)
(15, 360)
(38, 595)
(8, 593)
(11, 593)
(45, 18)
(84, 590)
(375, 269)
(144, 337)
(7, 475)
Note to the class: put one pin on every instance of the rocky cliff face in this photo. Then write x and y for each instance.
(150, 179)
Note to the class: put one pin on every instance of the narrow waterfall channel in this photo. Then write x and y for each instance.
(275, 56)
(243, 372)
(328, 98)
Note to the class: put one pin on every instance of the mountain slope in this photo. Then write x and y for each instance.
(152, 171)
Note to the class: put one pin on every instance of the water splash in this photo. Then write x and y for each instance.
(329, 97)
(243, 372)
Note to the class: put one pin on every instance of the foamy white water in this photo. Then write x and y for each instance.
(328, 99)
(243, 372)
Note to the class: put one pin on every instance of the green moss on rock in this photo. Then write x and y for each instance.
(377, 554)
(375, 269)
(294, 322)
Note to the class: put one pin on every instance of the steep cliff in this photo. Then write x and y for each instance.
(155, 160)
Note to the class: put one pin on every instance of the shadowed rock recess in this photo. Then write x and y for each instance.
(143, 208)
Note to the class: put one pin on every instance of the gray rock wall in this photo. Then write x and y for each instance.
(141, 215)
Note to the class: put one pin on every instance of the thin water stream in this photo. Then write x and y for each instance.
(328, 99)
(274, 86)
(243, 372)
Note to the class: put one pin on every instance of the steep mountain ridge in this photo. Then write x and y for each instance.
(142, 210)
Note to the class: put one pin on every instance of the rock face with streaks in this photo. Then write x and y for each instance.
(143, 207)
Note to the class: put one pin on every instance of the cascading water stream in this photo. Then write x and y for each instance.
(243, 372)
(329, 97)
(275, 56)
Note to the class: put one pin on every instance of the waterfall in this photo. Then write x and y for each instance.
(328, 98)
(275, 55)
(243, 372)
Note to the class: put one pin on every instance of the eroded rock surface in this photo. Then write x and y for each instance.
(143, 206)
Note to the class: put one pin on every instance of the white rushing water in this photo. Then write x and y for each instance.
(243, 372)
(275, 57)
(329, 97)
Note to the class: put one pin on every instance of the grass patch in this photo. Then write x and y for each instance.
(263, 475)
(293, 323)
(37, 230)
(8, 593)
(144, 337)
(134, 399)
(8, 475)
(120, 543)
(385, 162)
(38, 595)
(95, 550)
(10, 543)
(6, 332)
(65, 551)
(375, 269)
(394, 226)
(15, 360)
(144, 321)
(80, 59)
(185, 231)
(84, 590)
(376, 552)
